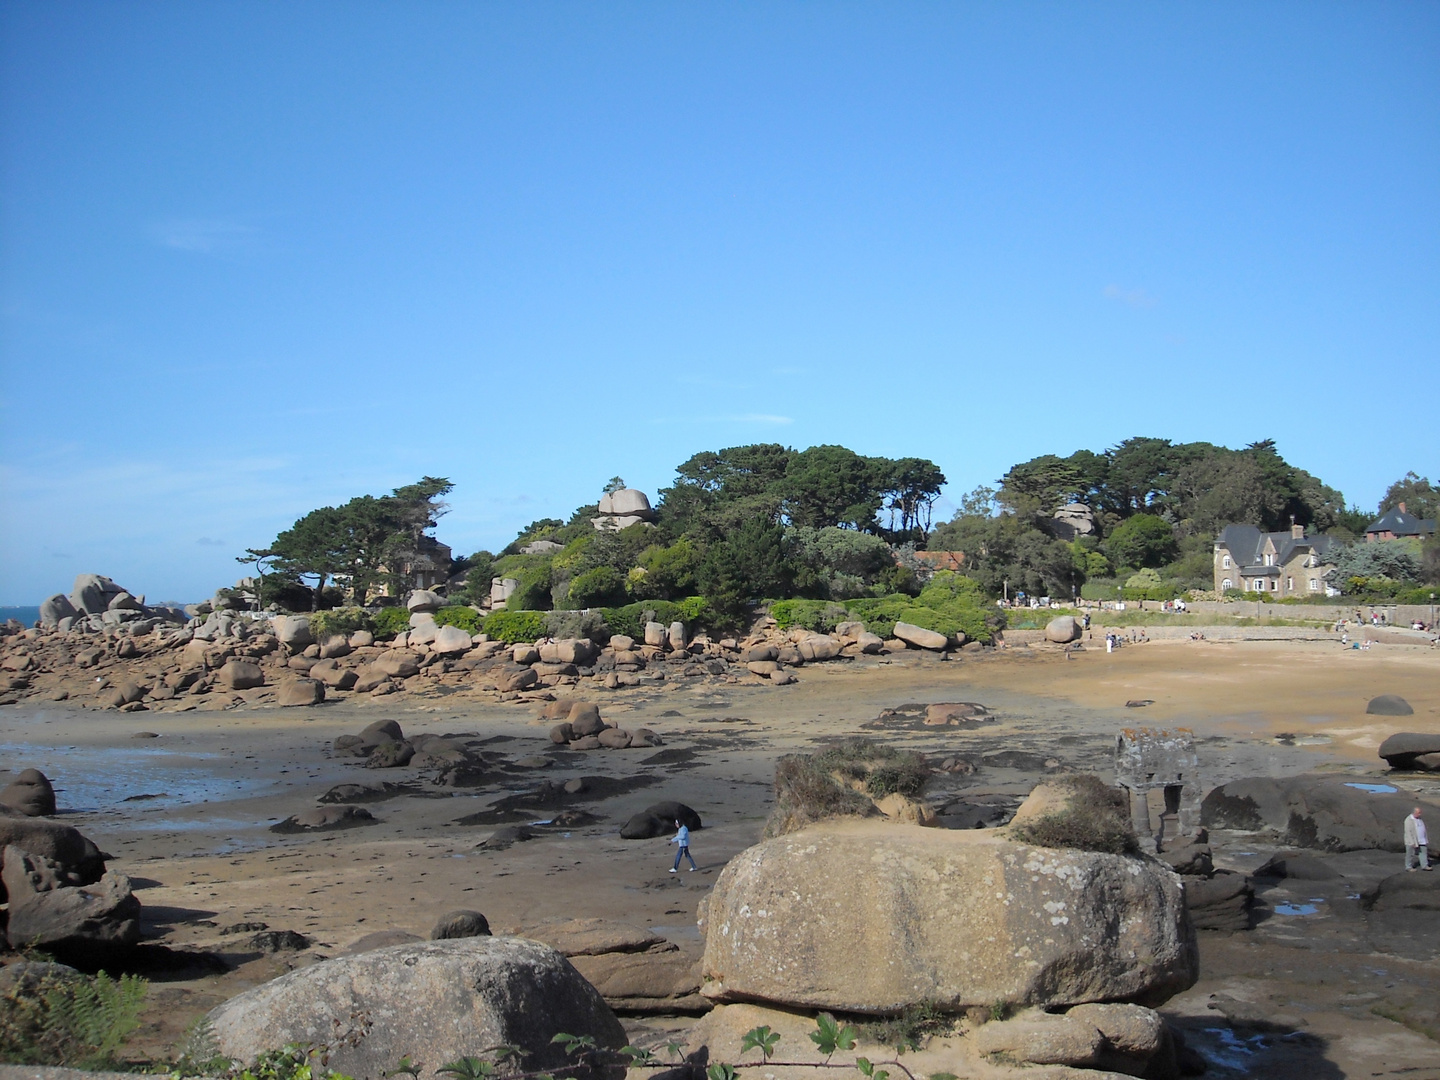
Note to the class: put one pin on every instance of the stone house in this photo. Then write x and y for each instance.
(1396, 524)
(1283, 563)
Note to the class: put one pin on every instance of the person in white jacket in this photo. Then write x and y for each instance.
(1417, 842)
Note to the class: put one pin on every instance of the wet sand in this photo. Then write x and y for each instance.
(199, 849)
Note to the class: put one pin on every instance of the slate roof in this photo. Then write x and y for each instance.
(1246, 545)
(1400, 523)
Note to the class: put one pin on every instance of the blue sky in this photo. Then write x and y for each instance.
(257, 258)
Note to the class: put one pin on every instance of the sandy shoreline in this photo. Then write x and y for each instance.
(202, 857)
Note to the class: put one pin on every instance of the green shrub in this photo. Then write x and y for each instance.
(79, 1021)
(693, 611)
(603, 586)
(466, 618)
(814, 787)
(387, 622)
(1097, 819)
(512, 626)
(577, 624)
(821, 616)
(345, 620)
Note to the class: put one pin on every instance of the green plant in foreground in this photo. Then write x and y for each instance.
(77, 1021)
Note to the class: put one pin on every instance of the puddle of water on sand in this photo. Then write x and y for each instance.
(688, 930)
(1296, 909)
(1232, 1052)
(1375, 789)
(91, 778)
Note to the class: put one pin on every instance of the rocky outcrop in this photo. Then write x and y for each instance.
(635, 970)
(435, 1001)
(74, 922)
(460, 924)
(1411, 751)
(1311, 811)
(30, 793)
(1389, 705)
(659, 820)
(1062, 629)
(325, 819)
(868, 917)
(78, 860)
(920, 637)
(621, 509)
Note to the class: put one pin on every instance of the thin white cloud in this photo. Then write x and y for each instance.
(1136, 298)
(206, 541)
(204, 236)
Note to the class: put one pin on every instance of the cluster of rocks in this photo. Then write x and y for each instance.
(131, 658)
(943, 918)
(582, 728)
(60, 897)
(96, 604)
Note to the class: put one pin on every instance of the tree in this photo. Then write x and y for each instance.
(1420, 499)
(1394, 560)
(748, 565)
(909, 487)
(1142, 540)
(613, 485)
(364, 542)
(831, 485)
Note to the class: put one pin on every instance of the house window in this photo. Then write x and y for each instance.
(1225, 563)
(1226, 584)
(1289, 584)
(1314, 584)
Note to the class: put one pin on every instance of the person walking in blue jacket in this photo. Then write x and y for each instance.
(683, 839)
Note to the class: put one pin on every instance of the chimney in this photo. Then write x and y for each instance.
(1297, 531)
(1402, 508)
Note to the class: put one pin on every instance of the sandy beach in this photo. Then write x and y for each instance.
(184, 803)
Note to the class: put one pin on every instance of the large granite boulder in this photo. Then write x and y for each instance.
(54, 608)
(31, 793)
(292, 631)
(436, 1001)
(1412, 750)
(80, 860)
(1389, 705)
(1062, 629)
(452, 641)
(1311, 811)
(659, 819)
(871, 917)
(74, 922)
(920, 637)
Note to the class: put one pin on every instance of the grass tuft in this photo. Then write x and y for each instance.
(1097, 819)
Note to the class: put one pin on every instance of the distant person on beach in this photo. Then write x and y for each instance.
(1416, 843)
(683, 839)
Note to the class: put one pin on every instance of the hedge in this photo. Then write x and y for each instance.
(512, 626)
(387, 622)
(466, 618)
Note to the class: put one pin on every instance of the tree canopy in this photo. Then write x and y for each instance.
(367, 542)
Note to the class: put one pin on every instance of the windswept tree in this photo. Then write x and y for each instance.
(366, 542)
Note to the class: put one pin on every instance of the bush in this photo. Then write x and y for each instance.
(1097, 819)
(387, 622)
(345, 620)
(577, 624)
(466, 618)
(630, 620)
(77, 1021)
(512, 626)
(814, 787)
(285, 593)
(600, 587)
(821, 616)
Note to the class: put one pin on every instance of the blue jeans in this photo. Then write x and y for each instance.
(684, 853)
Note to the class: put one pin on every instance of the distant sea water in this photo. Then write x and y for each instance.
(26, 616)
